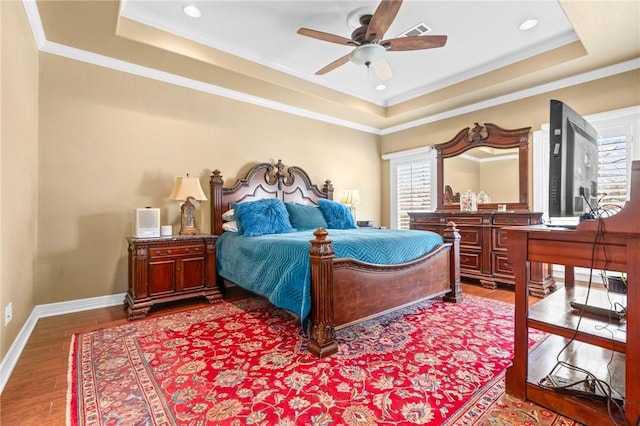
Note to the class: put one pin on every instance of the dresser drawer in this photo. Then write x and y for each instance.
(426, 218)
(516, 219)
(501, 265)
(465, 220)
(470, 237)
(160, 252)
(499, 239)
(470, 260)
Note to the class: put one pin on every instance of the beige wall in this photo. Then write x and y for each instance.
(18, 168)
(619, 91)
(111, 142)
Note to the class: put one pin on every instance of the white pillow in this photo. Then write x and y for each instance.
(227, 216)
(231, 226)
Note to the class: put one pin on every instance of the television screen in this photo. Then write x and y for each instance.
(573, 163)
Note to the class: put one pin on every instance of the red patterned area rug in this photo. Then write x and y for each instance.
(246, 362)
(491, 407)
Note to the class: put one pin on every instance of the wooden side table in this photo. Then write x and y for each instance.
(171, 268)
(590, 343)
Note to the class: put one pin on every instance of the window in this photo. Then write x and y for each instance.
(619, 144)
(412, 184)
(613, 168)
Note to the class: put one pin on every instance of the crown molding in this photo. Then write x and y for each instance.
(44, 45)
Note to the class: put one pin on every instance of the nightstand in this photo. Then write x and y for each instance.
(165, 269)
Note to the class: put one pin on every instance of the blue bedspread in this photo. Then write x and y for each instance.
(277, 266)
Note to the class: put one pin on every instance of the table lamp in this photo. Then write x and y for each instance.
(187, 189)
(351, 198)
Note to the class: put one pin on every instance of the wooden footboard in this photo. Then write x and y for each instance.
(344, 291)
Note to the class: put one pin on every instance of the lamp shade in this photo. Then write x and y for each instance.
(351, 197)
(187, 187)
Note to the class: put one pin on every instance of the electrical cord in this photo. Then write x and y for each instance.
(592, 386)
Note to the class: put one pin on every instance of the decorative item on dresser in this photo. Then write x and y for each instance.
(483, 245)
(170, 268)
(342, 290)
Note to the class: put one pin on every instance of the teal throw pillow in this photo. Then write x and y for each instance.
(337, 215)
(304, 216)
(266, 216)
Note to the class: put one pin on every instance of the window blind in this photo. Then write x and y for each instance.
(612, 170)
(413, 189)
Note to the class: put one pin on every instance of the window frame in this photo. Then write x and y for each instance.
(427, 154)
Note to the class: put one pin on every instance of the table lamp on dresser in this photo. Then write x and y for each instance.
(187, 189)
(351, 198)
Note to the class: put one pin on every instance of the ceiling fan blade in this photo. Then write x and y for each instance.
(382, 19)
(333, 65)
(327, 37)
(382, 69)
(415, 42)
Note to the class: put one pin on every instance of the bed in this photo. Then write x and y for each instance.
(341, 290)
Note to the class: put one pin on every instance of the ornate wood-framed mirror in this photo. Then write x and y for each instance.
(492, 147)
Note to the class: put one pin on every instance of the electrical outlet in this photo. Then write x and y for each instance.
(8, 314)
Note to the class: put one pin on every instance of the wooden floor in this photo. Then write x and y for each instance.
(37, 389)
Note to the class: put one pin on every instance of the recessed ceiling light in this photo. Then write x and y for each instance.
(380, 87)
(528, 24)
(192, 11)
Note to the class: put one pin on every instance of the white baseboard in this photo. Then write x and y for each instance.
(42, 311)
(580, 275)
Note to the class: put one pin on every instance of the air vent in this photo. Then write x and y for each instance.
(417, 30)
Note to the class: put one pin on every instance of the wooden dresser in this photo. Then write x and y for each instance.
(483, 245)
(165, 269)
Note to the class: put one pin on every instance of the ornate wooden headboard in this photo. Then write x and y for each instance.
(290, 184)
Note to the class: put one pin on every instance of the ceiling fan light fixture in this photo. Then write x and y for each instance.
(367, 54)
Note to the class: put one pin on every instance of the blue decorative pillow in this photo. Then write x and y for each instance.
(337, 215)
(266, 216)
(303, 216)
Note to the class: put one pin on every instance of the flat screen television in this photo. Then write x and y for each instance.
(573, 163)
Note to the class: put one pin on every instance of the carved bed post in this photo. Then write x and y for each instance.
(452, 236)
(322, 333)
(328, 189)
(215, 184)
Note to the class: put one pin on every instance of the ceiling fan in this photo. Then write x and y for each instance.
(370, 47)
